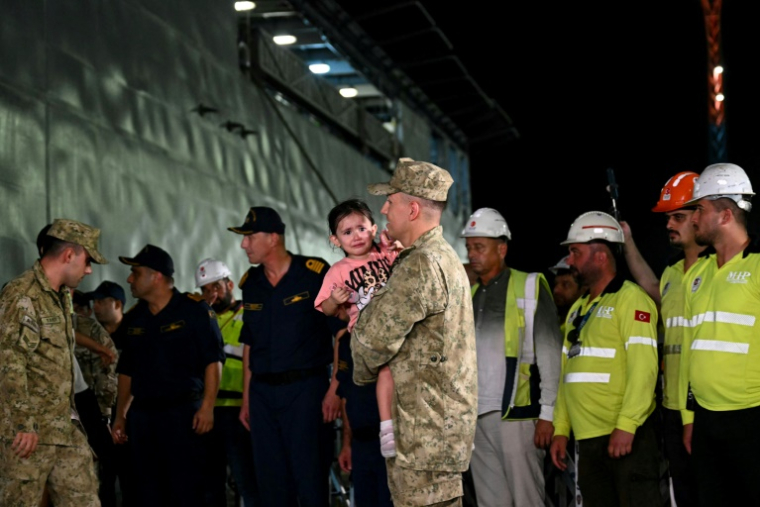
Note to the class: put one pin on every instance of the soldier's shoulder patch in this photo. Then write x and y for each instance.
(195, 296)
(315, 264)
(27, 321)
(243, 279)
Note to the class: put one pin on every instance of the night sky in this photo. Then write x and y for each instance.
(596, 85)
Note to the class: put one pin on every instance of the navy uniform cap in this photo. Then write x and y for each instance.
(108, 289)
(152, 257)
(260, 219)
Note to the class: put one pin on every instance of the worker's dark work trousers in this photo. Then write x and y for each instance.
(168, 457)
(725, 447)
(630, 481)
(680, 466)
(292, 446)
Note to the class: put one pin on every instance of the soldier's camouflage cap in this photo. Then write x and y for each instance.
(79, 234)
(420, 179)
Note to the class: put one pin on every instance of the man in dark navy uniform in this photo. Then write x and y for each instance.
(169, 370)
(287, 403)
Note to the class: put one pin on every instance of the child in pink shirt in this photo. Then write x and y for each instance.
(350, 283)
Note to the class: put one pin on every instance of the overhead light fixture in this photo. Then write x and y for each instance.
(720, 97)
(284, 40)
(718, 70)
(244, 6)
(349, 92)
(319, 68)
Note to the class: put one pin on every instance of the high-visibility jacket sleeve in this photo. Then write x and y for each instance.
(639, 330)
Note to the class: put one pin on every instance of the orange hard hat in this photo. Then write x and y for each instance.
(676, 192)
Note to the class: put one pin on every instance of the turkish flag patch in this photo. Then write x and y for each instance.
(643, 316)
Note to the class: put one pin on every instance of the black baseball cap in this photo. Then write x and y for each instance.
(108, 289)
(260, 219)
(152, 257)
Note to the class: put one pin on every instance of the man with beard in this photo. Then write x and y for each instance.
(565, 289)
(519, 347)
(669, 293)
(229, 440)
(609, 371)
(720, 363)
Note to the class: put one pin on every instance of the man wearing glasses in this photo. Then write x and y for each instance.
(609, 372)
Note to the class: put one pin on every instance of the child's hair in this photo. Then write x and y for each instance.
(346, 208)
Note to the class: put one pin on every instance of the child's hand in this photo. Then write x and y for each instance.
(387, 242)
(340, 295)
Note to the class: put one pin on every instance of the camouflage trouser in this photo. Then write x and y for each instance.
(68, 472)
(412, 488)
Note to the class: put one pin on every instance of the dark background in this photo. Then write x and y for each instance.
(594, 85)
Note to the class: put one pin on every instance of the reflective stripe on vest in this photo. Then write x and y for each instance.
(641, 340)
(231, 381)
(594, 378)
(233, 352)
(740, 319)
(718, 346)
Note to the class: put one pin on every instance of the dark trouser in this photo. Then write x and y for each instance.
(680, 465)
(123, 464)
(99, 438)
(230, 445)
(369, 475)
(724, 449)
(630, 481)
(168, 457)
(470, 499)
(292, 446)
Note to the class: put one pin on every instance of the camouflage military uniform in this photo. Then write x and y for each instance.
(421, 324)
(101, 379)
(37, 396)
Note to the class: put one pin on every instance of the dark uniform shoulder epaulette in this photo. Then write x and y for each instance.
(195, 296)
(243, 279)
(315, 264)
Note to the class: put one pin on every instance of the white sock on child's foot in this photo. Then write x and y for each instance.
(387, 441)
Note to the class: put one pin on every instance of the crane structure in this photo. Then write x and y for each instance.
(716, 99)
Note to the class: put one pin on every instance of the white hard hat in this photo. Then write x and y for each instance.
(724, 180)
(562, 264)
(486, 223)
(211, 270)
(594, 225)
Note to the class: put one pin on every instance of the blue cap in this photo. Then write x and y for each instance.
(108, 289)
